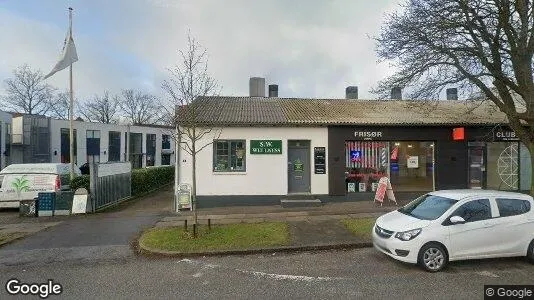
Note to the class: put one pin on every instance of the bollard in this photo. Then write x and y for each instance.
(194, 230)
(185, 224)
(209, 224)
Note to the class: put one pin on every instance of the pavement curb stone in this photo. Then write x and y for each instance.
(148, 251)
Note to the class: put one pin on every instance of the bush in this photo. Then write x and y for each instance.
(145, 180)
(81, 181)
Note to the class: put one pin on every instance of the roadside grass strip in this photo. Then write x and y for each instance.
(360, 227)
(220, 237)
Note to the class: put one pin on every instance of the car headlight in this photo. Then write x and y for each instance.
(408, 235)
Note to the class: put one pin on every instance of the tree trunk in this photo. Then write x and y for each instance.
(531, 150)
(194, 182)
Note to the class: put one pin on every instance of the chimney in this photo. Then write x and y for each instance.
(351, 92)
(273, 90)
(452, 94)
(257, 87)
(396, 93)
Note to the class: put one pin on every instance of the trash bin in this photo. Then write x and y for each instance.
(46, 203)
(28, 208)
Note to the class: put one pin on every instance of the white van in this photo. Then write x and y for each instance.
(25, 181)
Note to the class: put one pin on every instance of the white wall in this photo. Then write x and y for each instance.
(81, 135)
(266, 174)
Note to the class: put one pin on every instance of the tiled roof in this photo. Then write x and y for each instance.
(250, 111)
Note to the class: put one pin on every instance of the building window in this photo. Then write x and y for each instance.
(114, 148)
(65, 145)
(165, 159)
(408, 164)
(165, 141)
(229, 156)
(136, 150)
(503, 166)
(150, 149)
(93, 145)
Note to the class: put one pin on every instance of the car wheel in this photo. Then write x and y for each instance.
(530, 253)
(433, 257)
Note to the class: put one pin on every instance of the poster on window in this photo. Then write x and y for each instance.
(413, 162)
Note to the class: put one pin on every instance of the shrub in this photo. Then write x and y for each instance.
(81, 181)
(145, 180)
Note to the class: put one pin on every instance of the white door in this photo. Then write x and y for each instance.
(474, 237)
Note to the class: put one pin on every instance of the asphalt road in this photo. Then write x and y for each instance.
(354, 274)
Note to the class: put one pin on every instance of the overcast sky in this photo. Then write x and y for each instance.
(310, 48)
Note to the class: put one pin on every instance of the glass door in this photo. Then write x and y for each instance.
(477, 167)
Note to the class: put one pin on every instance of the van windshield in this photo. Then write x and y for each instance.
(427, 207)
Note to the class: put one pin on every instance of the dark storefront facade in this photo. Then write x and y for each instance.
(418, 159)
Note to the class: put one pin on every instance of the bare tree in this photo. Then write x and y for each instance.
(485, 46)
(60, 107)
(139, 107)
(188, 81)
(102, 109)
(27, 93)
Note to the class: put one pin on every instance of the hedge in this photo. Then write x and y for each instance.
(143, 180)
(81, 181)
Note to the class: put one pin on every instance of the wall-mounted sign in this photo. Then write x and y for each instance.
(298, 166)
(505, 135)
(266, 147)
(413, 162)
(319, 159)
(458, 134)
(367, 135)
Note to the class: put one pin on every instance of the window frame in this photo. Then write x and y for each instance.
(228, 154)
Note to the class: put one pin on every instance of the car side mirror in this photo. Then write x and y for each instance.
(457, 220)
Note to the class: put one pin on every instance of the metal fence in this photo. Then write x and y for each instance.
(111, 183)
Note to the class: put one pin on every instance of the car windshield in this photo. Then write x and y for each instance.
(427, 207)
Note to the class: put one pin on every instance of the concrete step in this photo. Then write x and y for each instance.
(300, 203)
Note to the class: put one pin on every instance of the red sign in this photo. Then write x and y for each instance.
(458, 134)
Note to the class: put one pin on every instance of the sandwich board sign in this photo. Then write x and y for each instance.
(384, 189)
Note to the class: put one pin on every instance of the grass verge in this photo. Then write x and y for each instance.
(11, 236)
(220, 237)
(360, 227)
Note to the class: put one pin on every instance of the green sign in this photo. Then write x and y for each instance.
(298, 166)
(265, 147)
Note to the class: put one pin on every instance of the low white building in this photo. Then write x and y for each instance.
(42, 139)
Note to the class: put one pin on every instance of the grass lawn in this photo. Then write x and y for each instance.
(221, 237)
(360, 227)
(8, 237)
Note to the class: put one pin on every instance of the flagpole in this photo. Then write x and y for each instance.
(71, 130)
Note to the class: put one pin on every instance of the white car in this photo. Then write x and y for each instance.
(450, 225)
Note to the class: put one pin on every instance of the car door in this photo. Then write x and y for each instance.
(511, 228)
(472, 238)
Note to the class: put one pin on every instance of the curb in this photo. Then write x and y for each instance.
(147, 251)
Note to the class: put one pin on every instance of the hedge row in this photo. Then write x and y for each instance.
(143, 180)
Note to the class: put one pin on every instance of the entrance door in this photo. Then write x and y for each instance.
(477, 167)
(298, 167)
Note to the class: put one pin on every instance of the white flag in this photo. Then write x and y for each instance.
(68, 55)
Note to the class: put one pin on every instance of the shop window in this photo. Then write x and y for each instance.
(229, 156)
(409, 165)
(503, 166)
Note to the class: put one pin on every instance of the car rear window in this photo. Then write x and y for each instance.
(512, 207)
